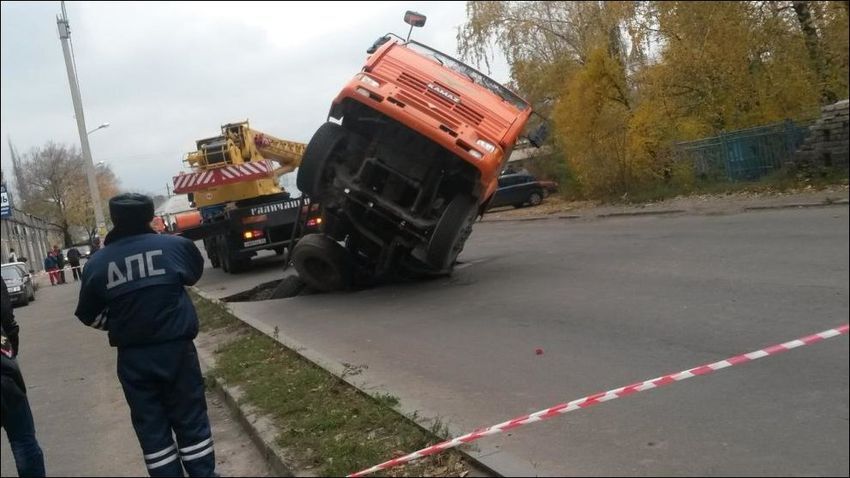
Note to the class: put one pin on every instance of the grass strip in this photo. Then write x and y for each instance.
(326, 425)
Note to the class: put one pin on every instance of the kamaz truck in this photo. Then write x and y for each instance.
(409, 157)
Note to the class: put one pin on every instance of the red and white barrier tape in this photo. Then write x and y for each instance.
(594, 399)
(66, 268)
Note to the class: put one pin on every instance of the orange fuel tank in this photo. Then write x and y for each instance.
(186, 220)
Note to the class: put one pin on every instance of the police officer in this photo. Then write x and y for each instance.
(134, 289)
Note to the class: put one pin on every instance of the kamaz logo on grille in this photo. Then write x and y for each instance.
(443, 92)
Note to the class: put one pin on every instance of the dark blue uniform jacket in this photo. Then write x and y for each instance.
(134, 288)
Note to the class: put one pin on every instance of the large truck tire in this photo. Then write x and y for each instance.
(239, 264)
(290, 286)
(327, 142)
(322, 263)
(230, 263)
(223, 256)
(211, 246)
(451, 232)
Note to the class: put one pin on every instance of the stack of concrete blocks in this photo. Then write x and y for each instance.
(827, 143)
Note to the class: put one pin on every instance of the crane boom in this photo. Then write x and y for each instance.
(239, 164)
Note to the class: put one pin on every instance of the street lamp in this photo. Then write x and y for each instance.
(104, 125)
(65, 38)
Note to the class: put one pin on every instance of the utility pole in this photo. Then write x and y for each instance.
(65, 37)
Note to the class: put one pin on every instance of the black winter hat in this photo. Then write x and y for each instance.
(130, 210)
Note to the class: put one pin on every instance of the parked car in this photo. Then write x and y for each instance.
(25, 270)
(19, 282)
(518, 190)
(549, 187)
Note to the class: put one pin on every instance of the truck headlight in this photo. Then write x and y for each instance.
(489, 147)
(369, 81)
(15, 288)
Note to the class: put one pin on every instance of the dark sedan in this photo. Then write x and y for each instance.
(19, 282)
(517, 190)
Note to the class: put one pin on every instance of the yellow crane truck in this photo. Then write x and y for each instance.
(233, 182)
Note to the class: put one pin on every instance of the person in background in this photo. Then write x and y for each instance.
(74, 260)
(135, 289)
(16, 415)
(50, 267)
(95, 245)
(12, 256)
(60, 264)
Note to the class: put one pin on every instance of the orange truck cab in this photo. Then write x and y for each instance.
(409, 157)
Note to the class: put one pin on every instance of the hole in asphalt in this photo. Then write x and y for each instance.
(289, 286)
(292, 286)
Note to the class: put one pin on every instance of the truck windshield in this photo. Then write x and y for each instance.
(470, 72)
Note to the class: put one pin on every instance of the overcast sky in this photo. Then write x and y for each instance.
(166, 74)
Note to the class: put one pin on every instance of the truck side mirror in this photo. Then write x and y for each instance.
(539, 135)
(414, 19)
(377, 44)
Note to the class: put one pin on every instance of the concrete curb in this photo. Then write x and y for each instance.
(260, 429)
(487, 462)
(578, 216)
(839, 202)
(521, 219)
(663, 212)
(642, 213)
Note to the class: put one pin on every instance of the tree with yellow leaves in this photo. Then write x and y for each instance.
(630, 79)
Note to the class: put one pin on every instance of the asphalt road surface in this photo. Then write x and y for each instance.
(612, 302)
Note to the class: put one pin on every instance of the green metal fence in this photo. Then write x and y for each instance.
(746, 154)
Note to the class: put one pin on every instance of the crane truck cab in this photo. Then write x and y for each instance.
(408, 158)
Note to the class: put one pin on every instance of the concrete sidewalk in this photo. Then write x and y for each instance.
(82, 420)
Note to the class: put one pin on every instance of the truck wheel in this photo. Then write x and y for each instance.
(322, 263)
(535, 198)
(239, 264)
(451, 232)
(289, 287)
(326, 143)
(223, 256)
(212, 253)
